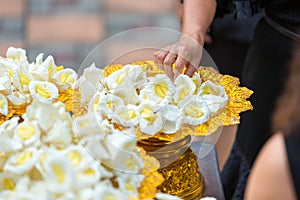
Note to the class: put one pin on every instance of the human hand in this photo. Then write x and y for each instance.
(186, 54)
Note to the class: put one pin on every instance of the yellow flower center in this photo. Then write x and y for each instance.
(96, 102)
(42, 161)
(129, 187)
(89, 172)
(183, 93)
(128, 114)
(25, 132)
(130, 163)
(59, 68)
(193, 111)
(8, 184)
(59, 173)
(110, 197)
(24, 79)
(148, 114)
(209, 90)
(66, 78)
(111, 104)
(42, 91)
(161, 89)
(16, 59)
(2, 103)
(75, 157)
(120, 79)
(84, 123)
(10, 72)
(50, 70)
(196, 82)
(23, 158)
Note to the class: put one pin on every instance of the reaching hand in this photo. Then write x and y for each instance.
(185, 54)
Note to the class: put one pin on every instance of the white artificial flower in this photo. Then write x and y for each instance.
(127, 115)
(197, 81)
(110, 193)
(137, 75)
(45, 153)
(8, 127)
(45, 70)
(17, 98)
(8, 181)
(130, 183)
(94, 145)
(16, 54)
(24, 78)
(172, 118)
(88, 176)
(85, 194)
(3, 105)
(164, 196)
(128, 94)
(87, 124)
(44, 91)
(69, 195)
(119, 142)
(78, 157)
(195, 111)
(39, 59)
(45, 113)
(89, 81)
(23, 161)
(60, 134)
(59, 174)
(121, 84)
(213, 95)
(109, 104)
(8, 144)
(8, 68)
(150, 119)
(94, 102)
(185, 87)
(119, 79)
(28, 133)
(126, 161)
(40, 190)
(160, 89)
(65, 78)
(5, 86)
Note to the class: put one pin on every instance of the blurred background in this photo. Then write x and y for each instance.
(70, 29)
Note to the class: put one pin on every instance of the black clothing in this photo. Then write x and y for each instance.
(285, 12)
(292, 143)
(231, 41)
(265, 72)
(235, 174)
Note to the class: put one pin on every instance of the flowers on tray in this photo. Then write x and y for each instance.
(153, 103)
(46, 154)
(66, 138)
(43, 158)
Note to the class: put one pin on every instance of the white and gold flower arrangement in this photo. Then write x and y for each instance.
(47, 154)
(152, 103)
(67, 138)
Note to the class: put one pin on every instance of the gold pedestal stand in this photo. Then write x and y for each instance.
(179, 167)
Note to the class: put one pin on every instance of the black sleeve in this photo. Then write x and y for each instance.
(222, 7)
(241, 8)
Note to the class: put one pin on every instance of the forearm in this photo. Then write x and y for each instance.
(197, 17)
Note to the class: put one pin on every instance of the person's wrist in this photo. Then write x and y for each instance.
(199, 38)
